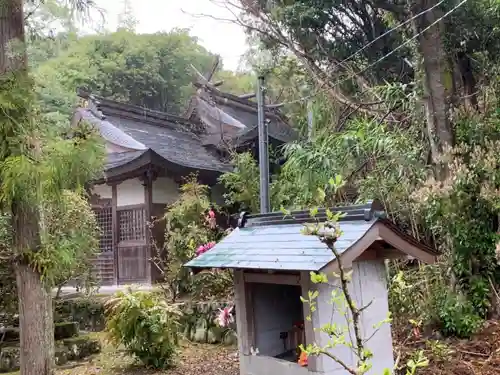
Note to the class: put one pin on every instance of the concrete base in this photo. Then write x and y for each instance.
(262, 365)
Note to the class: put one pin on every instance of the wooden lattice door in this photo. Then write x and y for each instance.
(132, 254)
(104, 262)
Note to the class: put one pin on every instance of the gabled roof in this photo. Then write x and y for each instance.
(275, 242)
(138, 130)
(213, 107)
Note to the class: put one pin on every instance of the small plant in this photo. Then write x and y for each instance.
(418, 360)
(439, 350)
(145, 325)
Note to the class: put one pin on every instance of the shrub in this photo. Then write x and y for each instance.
(145, 325)
(190, 229)
(457, 316)
(422, 294)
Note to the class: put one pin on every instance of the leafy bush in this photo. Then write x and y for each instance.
(145, 325)
(423, 295)
(188, 226)
(457, 315)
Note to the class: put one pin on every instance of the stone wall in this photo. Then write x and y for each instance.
(88, 312)
(70, 349)
(198, 322)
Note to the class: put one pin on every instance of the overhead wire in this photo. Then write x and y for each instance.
(383, 57)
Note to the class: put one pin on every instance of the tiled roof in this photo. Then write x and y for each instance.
(274, 241)
(244, 111)
(179, 147)
(139, 130)
(121, 158)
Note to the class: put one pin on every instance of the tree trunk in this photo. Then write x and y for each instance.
(12, 49)
(36, 323)
(35, 302)
(438, 80)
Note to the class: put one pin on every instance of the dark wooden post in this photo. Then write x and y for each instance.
(114, 212)
(149, 177)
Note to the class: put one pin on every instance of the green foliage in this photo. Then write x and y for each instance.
(41, 169)
(238, 83)
(464, 209)
(8, 302)
(289, 188)
(187, 226)
(150, 70)
(71, 234)
(243, 182)
(145, 325)
(457, 316)
(423, 295)
(418, 361)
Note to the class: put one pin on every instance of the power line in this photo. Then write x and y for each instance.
(390, 31)
(402, 45)
(383, 57)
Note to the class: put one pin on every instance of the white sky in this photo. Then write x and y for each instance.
(223, 38)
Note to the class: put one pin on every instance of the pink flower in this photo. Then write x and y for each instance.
(225, 316)
(211, 214)
(204, 248)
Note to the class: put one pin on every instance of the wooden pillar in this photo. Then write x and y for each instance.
(148, 208)
(116, 228)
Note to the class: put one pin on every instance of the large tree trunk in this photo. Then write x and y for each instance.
(36, 323)
(437, 78)
(12, 50)
(35, 303)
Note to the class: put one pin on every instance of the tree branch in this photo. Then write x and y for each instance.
(339, 361)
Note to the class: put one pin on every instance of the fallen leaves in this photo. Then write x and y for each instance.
(477, 356)
(194, 359)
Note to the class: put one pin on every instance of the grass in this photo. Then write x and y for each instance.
(194, 359)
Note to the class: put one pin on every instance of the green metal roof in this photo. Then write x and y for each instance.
(274, 241)
(277, 247)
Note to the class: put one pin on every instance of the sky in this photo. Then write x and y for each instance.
(223, 38)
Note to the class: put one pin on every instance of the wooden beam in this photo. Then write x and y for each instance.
(405, 247)
(271, 278)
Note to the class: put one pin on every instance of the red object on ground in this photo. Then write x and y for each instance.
(303, 359)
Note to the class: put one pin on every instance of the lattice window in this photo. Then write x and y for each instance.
(132, 225)
(104, 216)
